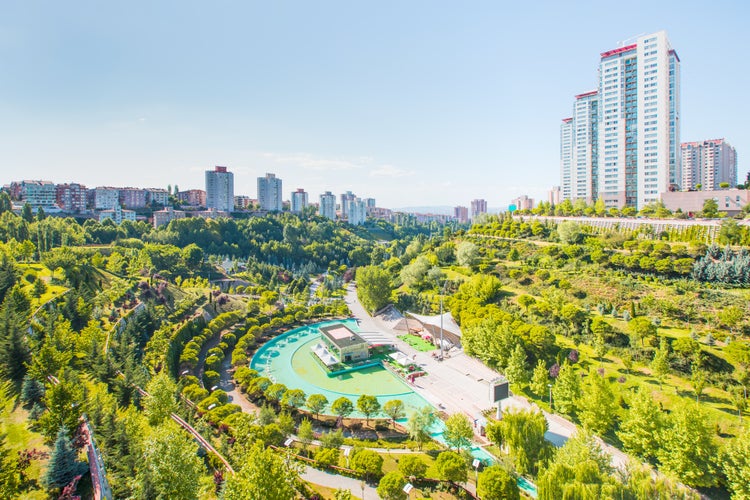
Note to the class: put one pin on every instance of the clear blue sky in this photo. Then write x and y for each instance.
(409, 102)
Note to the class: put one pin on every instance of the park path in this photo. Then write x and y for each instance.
(329, 480)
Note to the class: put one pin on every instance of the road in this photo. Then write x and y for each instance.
(335, 481)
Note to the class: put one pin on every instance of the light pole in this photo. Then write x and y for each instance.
(442, 294)
(550, 398)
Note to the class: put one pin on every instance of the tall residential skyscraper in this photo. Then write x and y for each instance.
(461, 214)
(327, 207)
(478, 206)
(708, 163)
(299, 200)
(346, 199)
(220, 189)
(357, 213)
(624, 139)
(269, 193)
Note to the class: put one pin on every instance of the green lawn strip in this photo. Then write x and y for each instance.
(418, 343)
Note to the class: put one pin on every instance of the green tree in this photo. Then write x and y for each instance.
(327, 456)
(367, 462)
(419, 425)
(597, 408)
(458, 431)
(394, 409)
(496, 483)
(316, 403)
(641, 328)
(64, 406)
(342, 407)
(710, 209)
(567, 390)
(540, 378)
(63, 464)
(569, 232)
(642, 426)
(368, 406)
(451, 466)
(736, 465)
(264, 475)
(412, 466)
(293, 399)
(526, 301)
(305, 433)
(161, 401)
(26, 213)
(467, 253)
(687, 448)
(14, 352)
(275, 392)
(698, 382)
(660, 363)
(391, 486)
(579, 470)
(374, 287)
(517, 371)
(171, 467)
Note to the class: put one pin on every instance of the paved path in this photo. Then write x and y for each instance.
(335, 481)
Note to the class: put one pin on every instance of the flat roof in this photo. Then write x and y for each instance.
(341, 335)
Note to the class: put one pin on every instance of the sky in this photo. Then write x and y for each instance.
(410, 102)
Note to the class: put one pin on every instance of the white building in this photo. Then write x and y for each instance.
(269, 193)
(708, 163)
(39, 194)
(299, 200)
(635, 155)
(117, 215)
(346, 199)
(220, 189)
(327, 207)
(167, 215)
(106, 198)
(357, 212)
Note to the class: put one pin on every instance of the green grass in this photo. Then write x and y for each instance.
(13, 422)
(418, 343)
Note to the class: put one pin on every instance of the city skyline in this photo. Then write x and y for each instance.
(418, 104)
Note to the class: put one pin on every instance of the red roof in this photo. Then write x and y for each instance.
(587, 94)
(620, 50)
(567, 120)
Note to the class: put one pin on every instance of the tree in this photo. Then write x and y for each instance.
(316, 403)
(710, 209)
(394, 409)
(419, 425)
(516, 371)
(525, 301)
(332, 439)
(342, 407)
(496, 483)
(412, 466)
(660, 363)
(523, 432)
(63, 402)
(367, 462)
(451, 467)
(458, 431)
(539, 378)
(567, 390)
(374, 287)
(736, 466)
(391, 486)
(698, 382)
(293, 398)
(569, 232)
(466, 253)
(641, 328)
(14, 353)
(32, 391)
(264, 474)
(161, 402)
(305, 433)
(687, 448)
(579, 470)
(26, 213)
(597, 408)
(327, 456)
(63, 465)
(368, 406)
(275, 392)
(642, 426)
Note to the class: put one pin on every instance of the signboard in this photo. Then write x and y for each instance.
(476, 463)
(407, 488)
(499, 389)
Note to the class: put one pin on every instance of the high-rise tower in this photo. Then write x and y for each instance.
(269, 193)
(220, 189)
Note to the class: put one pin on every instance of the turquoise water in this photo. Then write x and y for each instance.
(287, 359)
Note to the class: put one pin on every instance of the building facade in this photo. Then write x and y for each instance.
(220, 189)
(117, 215)
(299, 200)
(193, 197)
(523, 203)
(346, 199)
(461, 214)
(38, 194)
(478, 206)
(167, 215)
(106, 198)
(357, 212)
(71, 197)
(327, 207)
(622, 143)
(730, 201)
(554, 195)
(708, 164)
(269, 193)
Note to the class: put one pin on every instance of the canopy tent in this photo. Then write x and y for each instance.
(400, 358)
(431, 324)
(325, 356)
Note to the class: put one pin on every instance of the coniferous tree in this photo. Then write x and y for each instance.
(63, 464)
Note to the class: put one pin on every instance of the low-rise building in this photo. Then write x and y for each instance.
(167, 215)
(730, 201)
(344, 344)
(35, 193)
(71, 197)
(193, 197)
(117, 215)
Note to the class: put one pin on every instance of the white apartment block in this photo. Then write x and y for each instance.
(220, 189)
(106, 198)
(357, 212)
(708, 163)
(269, 193)
(299, 200)
(627, 151)
(39, 194)
(327, 207)
(346, 199)
(117, 215)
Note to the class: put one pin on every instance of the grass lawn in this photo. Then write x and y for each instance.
(19, 437)
(418, 343)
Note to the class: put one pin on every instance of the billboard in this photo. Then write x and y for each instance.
(499, 389)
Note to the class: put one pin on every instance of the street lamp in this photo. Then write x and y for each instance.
(550, 398)
(442, 294)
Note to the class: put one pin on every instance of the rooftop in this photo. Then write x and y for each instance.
(341, 336)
